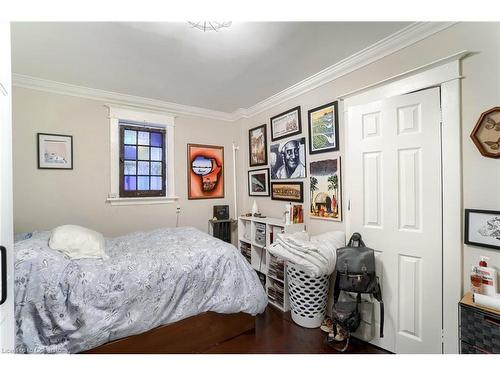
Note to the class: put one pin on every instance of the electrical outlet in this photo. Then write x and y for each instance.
(178, 209)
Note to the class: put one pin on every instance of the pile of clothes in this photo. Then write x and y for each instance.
(315, 255)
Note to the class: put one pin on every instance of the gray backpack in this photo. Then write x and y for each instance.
(355, 274)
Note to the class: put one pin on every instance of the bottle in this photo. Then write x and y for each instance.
(476, 281)
(489, 278)
(288, 212)
(255, 208)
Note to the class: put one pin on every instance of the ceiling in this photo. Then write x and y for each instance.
(224, 71)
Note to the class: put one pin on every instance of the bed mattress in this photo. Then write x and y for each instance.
(150, 279)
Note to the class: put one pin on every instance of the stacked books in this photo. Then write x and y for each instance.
(246, 251)
(276, 267)
(275, 292)
(297, 214)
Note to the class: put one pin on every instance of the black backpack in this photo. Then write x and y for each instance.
(355, 273)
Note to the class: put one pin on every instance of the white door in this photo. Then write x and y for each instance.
(6, 258)
(394, 160)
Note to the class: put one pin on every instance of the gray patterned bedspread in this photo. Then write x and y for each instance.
(150, 279)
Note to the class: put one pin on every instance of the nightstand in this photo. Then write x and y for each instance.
(479, 328)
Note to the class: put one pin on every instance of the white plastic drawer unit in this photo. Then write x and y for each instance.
(260, 234)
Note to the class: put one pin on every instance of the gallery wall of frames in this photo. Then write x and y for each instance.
(296, 157)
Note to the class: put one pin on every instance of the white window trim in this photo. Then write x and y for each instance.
(117, 113)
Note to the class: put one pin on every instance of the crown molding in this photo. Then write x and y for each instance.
(403, 38)
(109, 97)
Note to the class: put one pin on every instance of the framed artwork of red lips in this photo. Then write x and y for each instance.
(205, 171)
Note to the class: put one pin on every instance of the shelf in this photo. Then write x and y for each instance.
(276, 279)
(261, 229)
(259, 246)
(275, 304)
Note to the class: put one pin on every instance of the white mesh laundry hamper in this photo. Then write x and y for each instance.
(308, 296)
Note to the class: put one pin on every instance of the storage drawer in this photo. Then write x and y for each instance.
(480, 329)
(466, 348)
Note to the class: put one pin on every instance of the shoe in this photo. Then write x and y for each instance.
(327, 325)
(340, 336)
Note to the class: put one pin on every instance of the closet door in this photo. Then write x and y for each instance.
(6, 229)
(394, 166)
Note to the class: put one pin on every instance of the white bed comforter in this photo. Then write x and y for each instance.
(315, 255)
(150, 279)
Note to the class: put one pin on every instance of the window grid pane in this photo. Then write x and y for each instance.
(143, 163)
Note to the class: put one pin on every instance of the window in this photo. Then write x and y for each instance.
(142, 161)
(141, 156)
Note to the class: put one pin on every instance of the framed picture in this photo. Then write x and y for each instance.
(257, 146)
(287, 191)
(288, 159)
(323, 128)
(286, 124)
(482, 228)
(205, 171)
(486, 133)
(325, 189)
(55, 151)
(258, 183)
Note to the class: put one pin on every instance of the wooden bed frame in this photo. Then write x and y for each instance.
(192, 335)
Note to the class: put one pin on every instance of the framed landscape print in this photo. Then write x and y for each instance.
(323, 128)
(55, 151)
(258, 182)
(482, 228)
(287, 191)
(325, 189)
(257, 146)
(288, 159)
(286, 124)
(205, 171)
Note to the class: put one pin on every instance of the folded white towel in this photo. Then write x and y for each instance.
(315, 255)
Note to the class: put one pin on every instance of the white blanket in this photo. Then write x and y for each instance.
(315, 255)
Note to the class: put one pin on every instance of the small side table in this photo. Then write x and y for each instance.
(221, 229)
(479, 328)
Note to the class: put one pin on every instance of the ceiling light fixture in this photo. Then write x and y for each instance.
(210, 25)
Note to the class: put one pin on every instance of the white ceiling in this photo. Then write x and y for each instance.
(226, 70)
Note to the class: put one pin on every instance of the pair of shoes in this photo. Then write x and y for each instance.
(340, 336)
(327, 325)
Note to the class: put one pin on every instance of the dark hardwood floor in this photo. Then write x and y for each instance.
(276, 333)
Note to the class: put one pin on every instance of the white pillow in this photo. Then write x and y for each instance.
(77, 242)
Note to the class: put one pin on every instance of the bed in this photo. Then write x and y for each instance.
(155, 287)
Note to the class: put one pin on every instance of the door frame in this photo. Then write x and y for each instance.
(6, 204)
(444, 73)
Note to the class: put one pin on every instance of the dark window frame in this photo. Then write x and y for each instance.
(141, 193)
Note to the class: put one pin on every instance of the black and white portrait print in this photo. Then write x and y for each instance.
(288, 159)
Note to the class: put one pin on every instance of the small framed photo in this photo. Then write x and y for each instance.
(323, 128)
(482, 228)
(486, 133)
(257, 146)
(288, 159)
(258, 183)
(287, 191)
(286, 124)
(55, 151)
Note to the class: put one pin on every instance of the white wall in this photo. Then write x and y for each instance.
(44, 199)
(480, 91)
